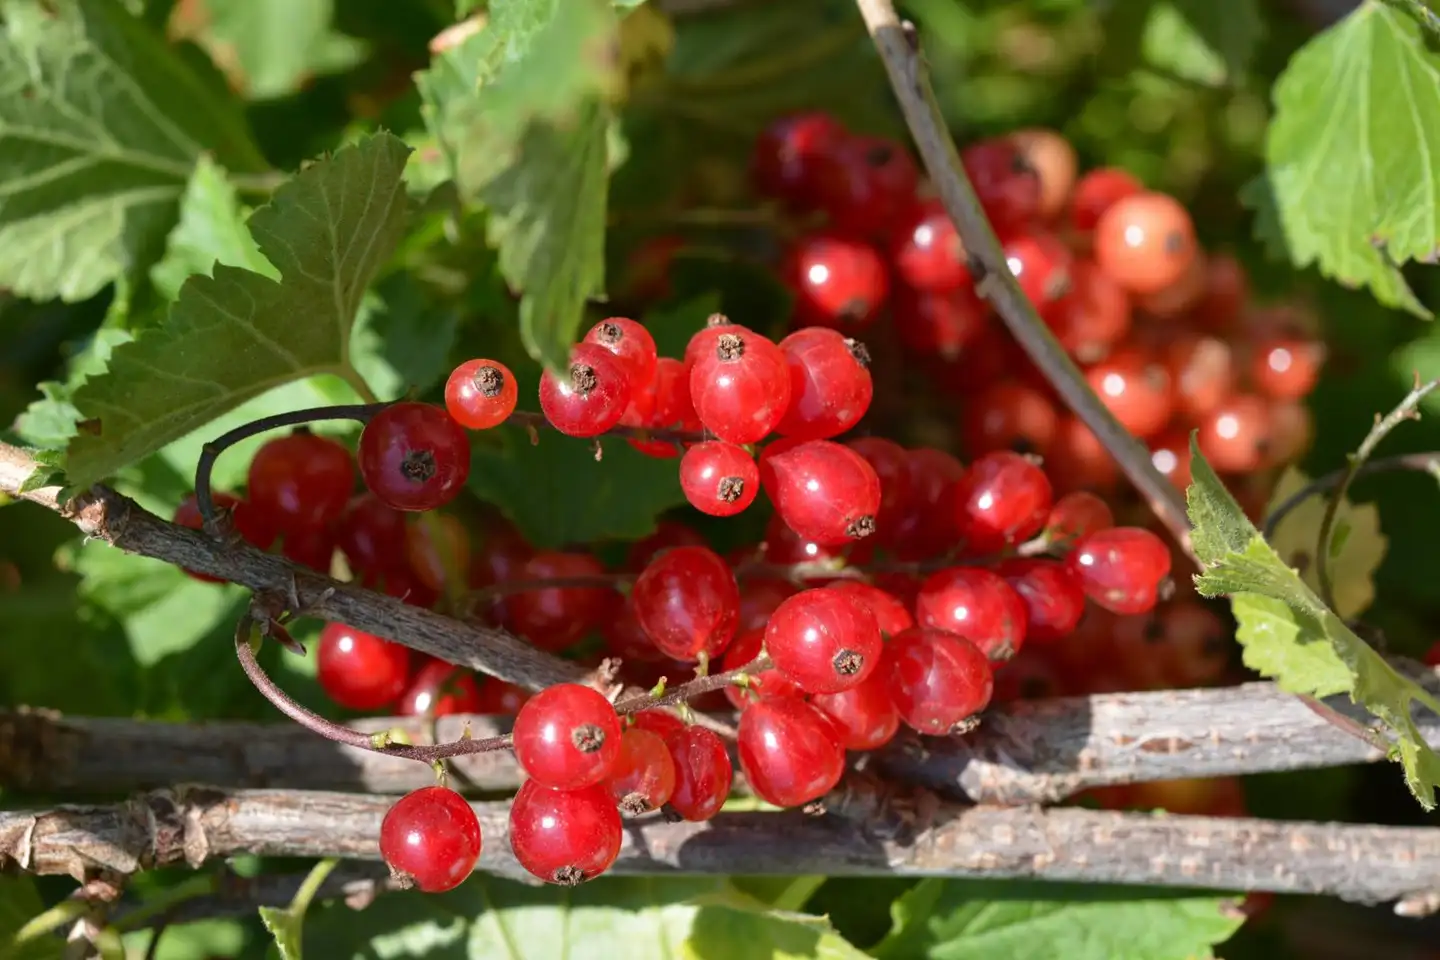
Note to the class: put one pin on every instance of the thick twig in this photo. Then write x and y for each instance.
(1027, 752)
(899, 49)
(192, 825)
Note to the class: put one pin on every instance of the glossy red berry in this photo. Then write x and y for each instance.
(1097, 191)
(741, 388)
(702, 342)
(1002, 498)
(310, 548)
(702, 772)
(1121, 568)
(926, 251)
(567, 736)
(1075, 515)
(790, 752)
(1009, 415)
(892, 468)
(668, 533)
(500, 698)
(824, 640)
(301, 481)
(688, 602)
(432, 836)
(439, 689)
(786, 547)
(1094, 316)
(1007, 186)
(719, 478)
(1236, 436)
(372, 537)
(1202, 370)
(413, 456)
(766, 684)
(1287, 368)
(358, 670)
(1136, 388)
(864, 716)
(788, 154)
(825, 492)
(830, 386)
(252, 525)
(976, 604)
(1041, 265)
(1145, 241)
(837, 281)
(480, 394)
(758, 600)
(631, 343)
(1077, 460)
(937, 680)
(891, 615)
(657, 721)
(1054, 602)
(939, 326)
(866, 183)
(671, 409)
(927, 527)
(590, 396)
(1170, 454)
(553, 618)
(564, 837)
(644, 776)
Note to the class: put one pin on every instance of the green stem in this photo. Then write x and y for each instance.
(259, 184)
(1406, 410)
(199, 885)
(311, 886)
(45, 923)
(357, 383)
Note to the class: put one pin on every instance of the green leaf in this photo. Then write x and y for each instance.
(1203, 42)
(637, 918)
(403, 338)
(287, 925)
(101, 123)
(19, 904)
(50, 422)
(1288, 633)
(268, 48)
(520, 110)
(1358, 545)
(211, 230)
(1018, 920)
(238, 334)
(1349, 185)
(557, 494)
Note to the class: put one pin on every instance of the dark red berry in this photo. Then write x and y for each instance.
(702, 772)
(976, 604)
(553, 618)
(301, 481)
(790, 752)
(788, 155)
(253, 526)
(499, 698)
(431, 836)
(310, 548)
(413, 456)
(866, 183)
(937, 680)
(358, 670)
(830, 386)
(688, 602)
(372, 537)
(564, 837)
(825, 492)
(567, 736)
(926, 251)
(940, 327)
(1008, 188)
(439, 689)
(892, 468)
(927, 525)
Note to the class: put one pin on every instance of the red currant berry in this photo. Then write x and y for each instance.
(1227, 290)
(358, 670)
(1170, 454)
(1077, 460)
(824, 640)
(413, 456)
(500, 699)
(766, 684)
(939, 326)
(741, 389)
(825, 492)
(788, 155)
(975, 604)
(702, 342)
(790, 752)
(1054, 602)
(891, 615)
(372, 537)
(301, 481)
(1177, 300)
(1120, 569)
(688, 602)
(1195, 645)
(864, 716)
(439, 689)
(1009, 415)
(892, 467)
(567, 736)
(553, 618)
(564, 837)
(1007, 186)
(1145, 241)
(658, 721)
(785, 547)
(1135, 388)
(1098, 191)
(830, 387)
(1202, 370)
(668, 533)
(1287, 368)
(937, 680)
(480, 394)
(719, 478)
(1003, 498)
(644, 776)
(865, 183)
(702, 772)
(252, 525)
(632, 344)
(1041, 264)
(590, 397)
(432, 836)
(671, 409)
(757, 601)
(1235, 437)
(1094, 316)
(402, 584)
(928, 524)
(838, 282)
(1075, 515)
(437, 550)
(926, 251)
(310, 548)
(1030, 676)
(1055, 164)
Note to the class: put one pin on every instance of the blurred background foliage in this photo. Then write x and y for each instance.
(1176, 91)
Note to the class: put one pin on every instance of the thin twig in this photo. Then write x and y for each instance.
(899, 49)
(867, 832)
(1408, 409)
(1426, 462)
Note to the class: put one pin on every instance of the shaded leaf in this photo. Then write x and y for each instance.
(101, 123)
(1203, 42)
(1358, 545)
(20, 903)
(238, 334)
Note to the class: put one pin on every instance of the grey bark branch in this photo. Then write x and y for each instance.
(1027, 752)
(193, 825)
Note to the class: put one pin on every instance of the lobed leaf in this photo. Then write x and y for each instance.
(1017, 920)
(235, 335)
(1288, 633)
(1350, 186)
(101, 123)
(1360, 550)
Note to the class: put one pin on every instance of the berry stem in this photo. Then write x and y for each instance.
(694, 688)
(899, 48)
(340, 733)
(536, 420)
(1407, 409)
(1424, 462)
